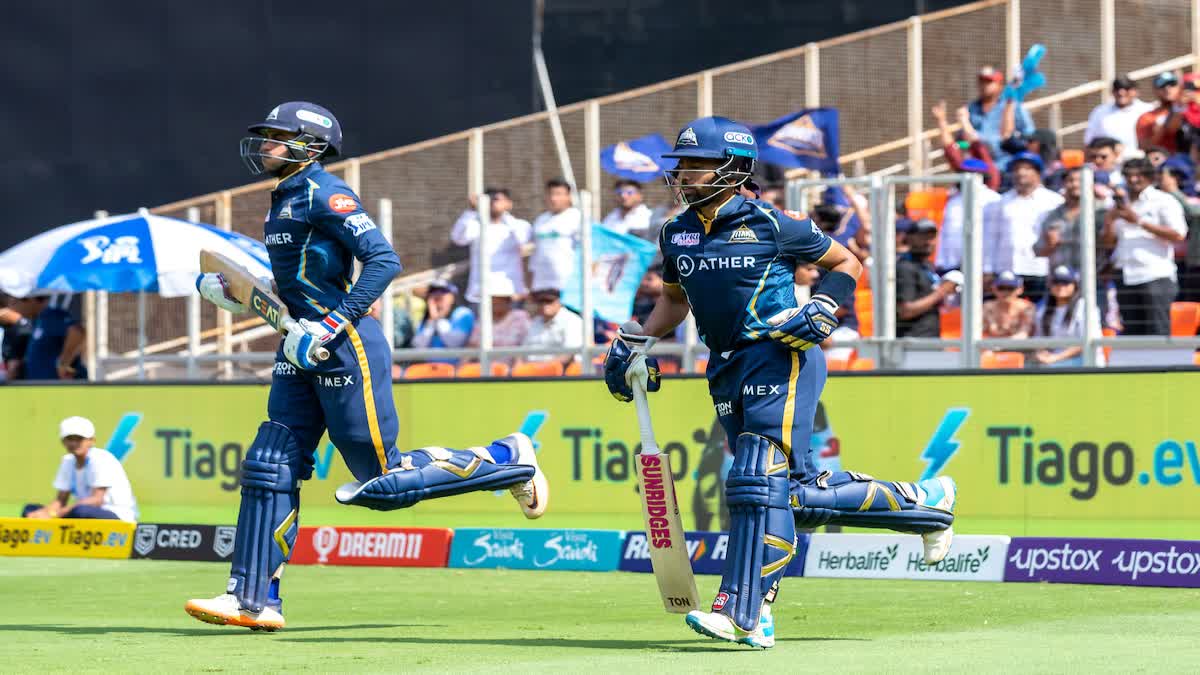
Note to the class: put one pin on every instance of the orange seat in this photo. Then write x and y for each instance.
(701, 366)
(1002, 360)
(422, 371)
(927, 204)
(951, 324)
(864, 307)
(838, 363)
(574, 368)
(668, 367)
(1196, 358)
(862, 364)
(1071, 158)
(476, 369)
(1108, 332)
(538, 369)
(1185, 318)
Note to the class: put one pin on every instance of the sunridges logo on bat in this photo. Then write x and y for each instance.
(377, 546)
(655, 496)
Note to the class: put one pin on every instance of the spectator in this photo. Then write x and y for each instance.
(1158, 156)
(17, 331)
(1152, 128)
(647, 293)
(903, 224)
(978, 158)
(1144, 226)
(444, 325)
(773, 195)
(510, 325)
(56, 340)
(555, 233)
(919, 290)
(1008, 315)
(1059, 239)
(1044, 144)
(997, 120)
(92, 475)
(1061, 315)
(506, 237)
(1175, 178)
(845, 216)
(553, 326)
(1104, 154)
(1011, 225)
(631, 215)
(1118, 118)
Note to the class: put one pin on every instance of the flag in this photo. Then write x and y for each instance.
(806, 139)
(640, 159)
(619, 261)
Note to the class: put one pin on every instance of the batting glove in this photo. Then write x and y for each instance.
(623, 366)
(802, 327)
(213, 288)
(305, 344)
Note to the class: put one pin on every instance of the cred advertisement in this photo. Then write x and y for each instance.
(1126, 562)
(707, 550)
(586, 550)
(377, 546)
(63, 538)
(203, 543)
(896, 556)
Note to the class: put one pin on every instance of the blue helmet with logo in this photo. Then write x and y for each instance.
(316, 134)
(715, 138)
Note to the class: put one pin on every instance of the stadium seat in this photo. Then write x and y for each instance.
(838, 363)
(1196, 358)
(1071, 158)
(538, 369)
(397, 372)
(701, 366)
(668, 367)
(1185, 318)
(862, 364)
(951, 324)
(864, 307)
(994, 360)
(424, 371)
(574, 368)
(927, 204)
(1108, 332)
(476, 369)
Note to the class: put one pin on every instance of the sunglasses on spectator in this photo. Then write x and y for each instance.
(545, 299)
(626, 191)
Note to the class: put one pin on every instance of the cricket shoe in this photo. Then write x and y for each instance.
(720, 627)
(224, 610)
(940, 493)
(534, 494)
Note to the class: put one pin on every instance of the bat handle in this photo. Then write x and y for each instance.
(645, 427)
(322, 354)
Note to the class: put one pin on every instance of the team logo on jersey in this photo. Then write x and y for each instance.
(739, 137)
(359, 223)
(343, 203)
(687, 137)
(686, 239)
(686, 265)
(815, 229)
(223, 542)
(742, 235)
(794, 215)
(286, 211)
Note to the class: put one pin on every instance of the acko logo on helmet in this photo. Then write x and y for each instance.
(739, 137)
(315, 118)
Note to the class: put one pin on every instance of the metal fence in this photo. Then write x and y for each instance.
(883, 81)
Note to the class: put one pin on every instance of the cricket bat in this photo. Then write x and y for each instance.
(252, 292)
(664, 528)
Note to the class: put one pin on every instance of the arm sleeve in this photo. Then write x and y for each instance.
(462, 322)
(670, 272)
(424, 335)
(1024, 123)
(466, 229)
(103, 473)
(981, 150)
(64, 479)
(347, 221)
(1173, 217)
(800, 240)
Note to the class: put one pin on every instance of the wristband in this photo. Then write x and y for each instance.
(837, 285)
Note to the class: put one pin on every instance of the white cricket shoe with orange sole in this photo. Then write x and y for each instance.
(224, 610)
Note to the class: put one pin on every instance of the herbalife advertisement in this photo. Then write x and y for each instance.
(897, 556)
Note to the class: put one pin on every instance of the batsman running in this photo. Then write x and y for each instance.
(730, 261)
(315, 229)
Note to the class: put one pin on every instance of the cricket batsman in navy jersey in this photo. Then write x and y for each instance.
(730, 261)
(315, 230)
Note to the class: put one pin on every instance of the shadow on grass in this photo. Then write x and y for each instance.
(678, 646)
(65, 629)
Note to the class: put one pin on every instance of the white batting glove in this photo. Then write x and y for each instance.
(213, 288)
(305, 343)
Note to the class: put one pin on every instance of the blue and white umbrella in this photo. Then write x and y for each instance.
(136, 252)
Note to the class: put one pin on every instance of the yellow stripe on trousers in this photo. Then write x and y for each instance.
(368, 396)
(789, 407)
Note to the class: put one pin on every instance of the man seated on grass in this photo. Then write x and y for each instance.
(93, 475)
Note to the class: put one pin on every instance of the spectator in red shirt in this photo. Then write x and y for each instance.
(1152, 126)
(975, 148)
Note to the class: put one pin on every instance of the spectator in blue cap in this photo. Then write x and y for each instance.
(444, 326)
(1011, 225)
(1061, 315)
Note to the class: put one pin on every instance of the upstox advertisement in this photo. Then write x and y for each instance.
(57, 537)
(1080, 446)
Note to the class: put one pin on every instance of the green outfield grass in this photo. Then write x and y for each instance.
(72, 615)
(347, 515)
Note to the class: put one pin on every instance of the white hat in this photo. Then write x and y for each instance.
(76, 426)
(499, 285)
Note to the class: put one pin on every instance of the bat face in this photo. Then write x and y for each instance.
(268, 307)
(664, 533)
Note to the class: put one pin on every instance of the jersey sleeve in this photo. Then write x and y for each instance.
(337, 211)
(106, 472)
(65, 478)
(670, 271)
(799, 237)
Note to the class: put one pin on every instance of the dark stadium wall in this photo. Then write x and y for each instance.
(130, 103)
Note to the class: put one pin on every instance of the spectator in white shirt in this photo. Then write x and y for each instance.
(950, 242)
(1061, 315)
(92, 475)
(553, 326)
(510, 325)
(1118, 118)
(1144, 225)
(555, 234)
(506, 237)
(631, 215)
(1011, 225)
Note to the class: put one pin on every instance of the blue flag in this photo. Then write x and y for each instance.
(640, 159)
(619, 261)
(806, 139)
